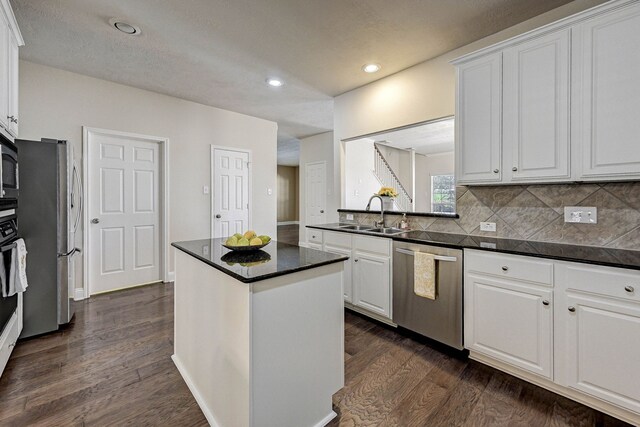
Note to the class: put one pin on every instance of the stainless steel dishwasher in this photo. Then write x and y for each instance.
(439, 319)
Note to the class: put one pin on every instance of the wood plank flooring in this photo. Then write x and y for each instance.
(289, 233)
(112, 366)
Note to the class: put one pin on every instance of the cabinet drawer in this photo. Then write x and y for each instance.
(510, 266)
(606, 281)
(337, 240)
(314, 235)
(373, 245)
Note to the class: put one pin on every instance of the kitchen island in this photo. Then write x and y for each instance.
(259, 336)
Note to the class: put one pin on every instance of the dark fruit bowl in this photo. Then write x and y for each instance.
(246, 248)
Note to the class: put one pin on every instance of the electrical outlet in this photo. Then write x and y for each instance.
(349, 217)
(581, 214)
(488, 226)
(269, 191)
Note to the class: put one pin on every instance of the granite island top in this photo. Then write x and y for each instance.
(610, 257)
(275, 259)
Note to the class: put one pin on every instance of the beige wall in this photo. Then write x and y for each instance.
(288, 206)
(423, 92)
(56, 104)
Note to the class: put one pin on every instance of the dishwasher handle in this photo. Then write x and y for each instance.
(436, 257)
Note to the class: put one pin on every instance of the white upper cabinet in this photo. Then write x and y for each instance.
(10, 41)
(536, 109)
(566, 100)
(607, 95)
(478, 135)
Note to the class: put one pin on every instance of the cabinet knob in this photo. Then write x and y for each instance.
(322, 211)
(496, 170)
(218, 216)
(355, 260)
(545, 302)
(505, 268)
(629, 289)
(572, 309)
(515, 168)
(95, 221)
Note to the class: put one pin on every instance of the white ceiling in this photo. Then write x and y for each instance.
(289, 152)
(429, 138)
(219, 52)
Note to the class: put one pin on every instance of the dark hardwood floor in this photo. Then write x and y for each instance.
(112, 366)
(288, 233)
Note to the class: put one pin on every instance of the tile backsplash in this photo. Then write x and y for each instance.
(536, 212)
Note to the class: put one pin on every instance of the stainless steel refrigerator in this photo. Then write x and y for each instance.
(49, 209)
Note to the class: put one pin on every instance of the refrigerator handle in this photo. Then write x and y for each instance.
(76, 178)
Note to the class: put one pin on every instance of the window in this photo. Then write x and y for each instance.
(443, 194)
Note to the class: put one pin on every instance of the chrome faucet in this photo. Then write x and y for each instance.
(381, 222)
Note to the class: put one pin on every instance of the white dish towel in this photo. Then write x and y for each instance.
(18, 279)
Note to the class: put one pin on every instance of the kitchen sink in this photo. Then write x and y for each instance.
(357, 227)
(387, 230)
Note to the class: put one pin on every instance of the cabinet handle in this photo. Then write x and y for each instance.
(545, 302)
(505, 268)
(572, 309)
(515, 168)
(629, 289)
(496, 170)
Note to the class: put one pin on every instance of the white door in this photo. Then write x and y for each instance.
(536, 109)
(603, 348)
(491, 305)
(607, 88)
(315, 193)
(372, 283)
(478, 120)
(124, 211)
(230, 192)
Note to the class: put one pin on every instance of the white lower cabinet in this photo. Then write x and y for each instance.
(579, 333)
(367, 274)
(510, 321)
(372, 280)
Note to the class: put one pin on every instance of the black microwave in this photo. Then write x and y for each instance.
(9, 181)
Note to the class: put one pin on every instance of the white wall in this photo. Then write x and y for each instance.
(426, 167)
(420, 93)
(56, 104)
(319, 148)
(360, 182)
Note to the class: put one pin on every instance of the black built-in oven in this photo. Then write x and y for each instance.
(10, 182)
(8, 236)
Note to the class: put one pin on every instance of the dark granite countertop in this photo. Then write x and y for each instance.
(275, 259)
(559, 251)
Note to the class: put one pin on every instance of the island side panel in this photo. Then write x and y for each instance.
(212, 347)
(297, 336)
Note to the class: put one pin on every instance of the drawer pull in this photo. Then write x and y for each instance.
(545, 302)
(505, 268)
(629, 289)
(572, 309)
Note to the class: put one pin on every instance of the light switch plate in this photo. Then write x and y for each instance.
(488, 226)
(581, 214)
(205, 189)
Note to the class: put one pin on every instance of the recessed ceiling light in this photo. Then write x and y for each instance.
(371, 68)
(275, 82)
(125, 27)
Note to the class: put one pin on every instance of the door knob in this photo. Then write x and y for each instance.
(572, 309)
(95, 221)
(218, 216)
(496, 170)
(515, 169)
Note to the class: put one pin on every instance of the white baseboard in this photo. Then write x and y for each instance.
(289, 223)
(78, 295)
(194, 391)
(171, 276)
(326, 419)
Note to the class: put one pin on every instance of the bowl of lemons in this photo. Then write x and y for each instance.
(248, 241)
